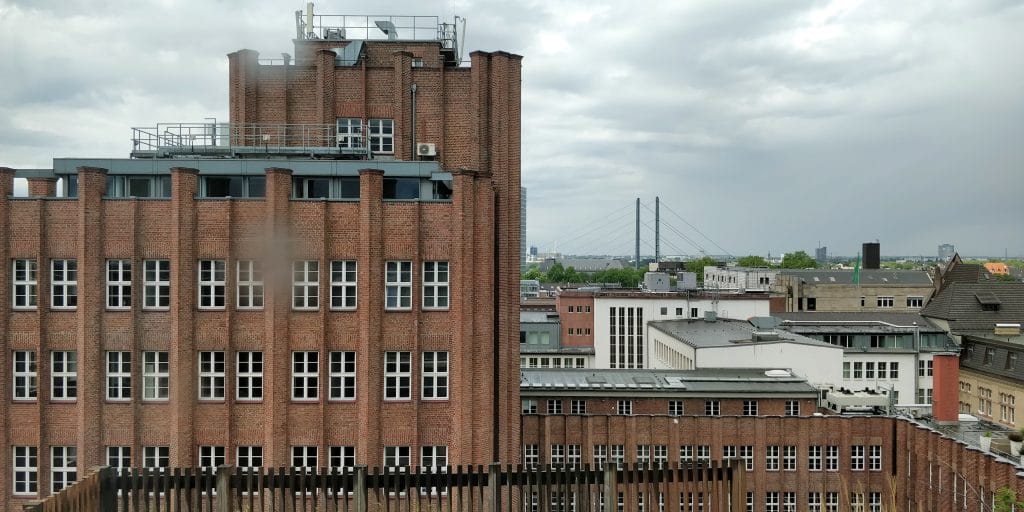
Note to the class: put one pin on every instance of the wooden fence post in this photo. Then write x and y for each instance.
(108, 488)
(494, 486)
(224, 487)
(611, 484)
(360, 488)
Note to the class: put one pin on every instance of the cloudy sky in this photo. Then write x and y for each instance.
(764, 126)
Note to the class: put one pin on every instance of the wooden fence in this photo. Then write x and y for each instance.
(713, 486)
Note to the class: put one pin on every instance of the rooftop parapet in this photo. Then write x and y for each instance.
(250, 139)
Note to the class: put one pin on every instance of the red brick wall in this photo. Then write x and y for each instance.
(581, 317)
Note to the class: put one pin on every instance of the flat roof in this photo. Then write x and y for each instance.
(704, 381)
(860, 321)
(699, 333)
(238, 166)
(639, 294)
(872, 277)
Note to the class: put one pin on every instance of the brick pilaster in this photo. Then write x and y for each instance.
(182, 355)
(325, 85)
(92, 184)
(277, 301)
(6, 189)
(371, 310)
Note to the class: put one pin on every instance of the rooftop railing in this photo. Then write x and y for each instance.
(229, 139)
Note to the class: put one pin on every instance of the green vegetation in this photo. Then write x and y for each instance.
(798, 259)
(626, 277)
(752, 261)
(697, 266)
(1006, 501)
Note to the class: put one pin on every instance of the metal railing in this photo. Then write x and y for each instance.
(204, 138)
(493, 489)
(366, 27)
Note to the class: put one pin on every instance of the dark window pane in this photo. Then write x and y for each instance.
(401, 188)
(349, 188)
(257, 186)
(319, 188)
(138, 187)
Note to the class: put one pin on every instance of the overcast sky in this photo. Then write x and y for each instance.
(764, 126)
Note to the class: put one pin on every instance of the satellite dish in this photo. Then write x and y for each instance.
(388, 28)
(765, 322)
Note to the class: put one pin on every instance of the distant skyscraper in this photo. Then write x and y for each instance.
(946, 252)
(821, 254)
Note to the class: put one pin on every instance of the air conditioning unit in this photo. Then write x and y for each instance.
(426, 149)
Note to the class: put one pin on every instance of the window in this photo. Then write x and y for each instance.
(915, 302)
(771, 458)
(894, 370)
(812, 304)
(1011, 360)
(869, 370)
(643, 454)
(874, 457)
(211, 284)
(554, 406)
(885, 302)
(789, 458)
(138, 186)
(841, 340)
(343, 284)
(858, 370)
(233, 186)
(403, 188)
(25, 376)
(875, 500)
(382, 135)
(156, 457)
(831, 458)
(155, 375)
(342, 378)
(660, 455)
(750, 501)
(747, 454)
(26, 470)
(813, 501)
(846, 370)
(831, 502)
(350, 132)
(64, 375)
(211, 456)
(675, 407)
(577, 406)
(857, 457)
(600, 455)
(924, 368)
(63, 284)
(789, 501)
(814, 458)
(531, 456)
(119, 375)
(990, 354)
(664, 311)
(211, 375)
(306, 285)
(305, 375)
(712, 407)
(119, 458)
(119, 284)
(25, 283)
(435, 376)
(433, 459)
(557, 455)
(792, 408)
(704, 452)
(398, 285)
(156, 284)
(618, 455)
(771, 501)
(342, 456)
(882, 366)
(435, 285)
(396, 457)
(856, 502)
(529, 406)
(249, 376)
(397, 375)
(249, 285)
(304, 458)
(693, 312)
(311, 188)
(250, 457)
(750, 407)
(624, 407)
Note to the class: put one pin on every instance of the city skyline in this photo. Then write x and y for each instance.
(768, 128)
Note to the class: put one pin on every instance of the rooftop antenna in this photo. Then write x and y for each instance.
(309, 21)
(388, 28)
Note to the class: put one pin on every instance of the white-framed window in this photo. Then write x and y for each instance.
(789, 458)
(600, 455)
(398, 285)
(750, 407)
(435, 376)
(915, 302)
(832, 501)
(712, 408)
(925, 368)
(435, 285)
(304, 458)
(211, 284)
(885, 302)
(156, 375)
(306, 285)
(771, 501)
(574, 455)
(624, 407)
(249, 457)
(792, 408)
(119, 458)
(531, 455)
(675, 407)
(643, 454)
(660, 455)
(212, 374)
(26, 471)
(729, 452)
(156, 457)
(342, 456)
(119, 284)
(814, 458)
(119, 375)
(529, 406)
(874, 457)
(344, 277)
(831, 458)
(305, 375)
(63, 284)
(396, 458)
(249, 376)
(771, 458)
(875, 500)
(557, 455)
(156, 284)
(789, 501)
(249, 284)
(704, 452)
(747, 454)
(813, 501)
(26, 386)
(618, 454)
(211, 456)
(342, 376)
(856, 502)
(63, 375)
(554, 406)
(577, 406)
(857, 457)
(26, 282)
(350, 132)
(382, 135)
(686, 453)
(397, 375)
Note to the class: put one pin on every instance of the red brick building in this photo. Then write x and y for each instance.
(331, 278)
